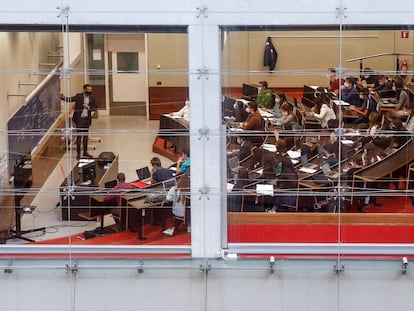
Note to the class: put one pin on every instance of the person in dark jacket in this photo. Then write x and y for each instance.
(85, 103)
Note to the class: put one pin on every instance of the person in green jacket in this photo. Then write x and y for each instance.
(264, 97)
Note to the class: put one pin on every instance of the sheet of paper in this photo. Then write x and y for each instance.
(269, 147)
(264, 189)
(293, 154)
(307, 170)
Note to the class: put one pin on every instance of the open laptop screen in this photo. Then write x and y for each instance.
(143, 173)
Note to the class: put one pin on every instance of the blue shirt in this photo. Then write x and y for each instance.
(183, 167)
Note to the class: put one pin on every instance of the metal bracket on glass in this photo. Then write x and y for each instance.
(272, 262)
(202, 72)
(404, 265)
(8, 270)
(340, 11)
(204, 131)
(205, 268)
(63, 11)
(66, 72)
(202, 11)
(339, 269)
(72, 269)
(140, 269)
(204, 191)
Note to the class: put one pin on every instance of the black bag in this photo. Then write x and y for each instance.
(105, 157)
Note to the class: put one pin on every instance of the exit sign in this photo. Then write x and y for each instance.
(404, 34)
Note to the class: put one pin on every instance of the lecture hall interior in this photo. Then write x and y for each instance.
(227, 155)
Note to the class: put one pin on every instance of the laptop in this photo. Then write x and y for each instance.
(235, 164)
(144, 174)
(168, 184)
(326, 169)
(306, 164)
(110, 184)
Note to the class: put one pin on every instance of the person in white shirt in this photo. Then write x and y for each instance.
(183, 112)
(323, 111)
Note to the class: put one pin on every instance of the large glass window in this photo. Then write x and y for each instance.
(96, 147)
(318, 134)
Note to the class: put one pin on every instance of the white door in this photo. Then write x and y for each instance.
(128, 88)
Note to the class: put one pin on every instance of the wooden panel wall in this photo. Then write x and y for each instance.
(165, 100)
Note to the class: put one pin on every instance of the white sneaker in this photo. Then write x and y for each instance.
(169, 232)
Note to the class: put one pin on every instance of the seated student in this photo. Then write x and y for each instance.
(113, 198)
(264, 97)
(245, 148)
(183, 162)
(159, 173)
(280, 99)
(384, 88)
(374, 126)
(178, 196)
(115, 192)
(270, 171)
(369, 105)
(350, 94)
(239, 113)
(368, 79)
(288, 179)
(323, 110)
(401, 98)
(334, 82)
(254, 122)
(234, 199)
(329, 154)
(284, 140)
(289, 120)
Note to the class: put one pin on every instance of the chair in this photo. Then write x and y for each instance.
(257, 157)
(294, 206)
(184, 219)
(247, 162)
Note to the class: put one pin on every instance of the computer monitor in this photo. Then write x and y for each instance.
(110, 184)
(228, 106)
(89, 171)
(250, 90)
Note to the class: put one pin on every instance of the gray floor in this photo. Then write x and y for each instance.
(131, 137)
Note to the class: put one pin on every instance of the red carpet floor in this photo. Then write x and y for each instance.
(153, 236)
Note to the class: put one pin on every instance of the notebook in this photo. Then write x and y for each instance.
(144, 174)
(234, 164)
(326, 169)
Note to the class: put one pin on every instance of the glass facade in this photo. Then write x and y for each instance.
(300, 140)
